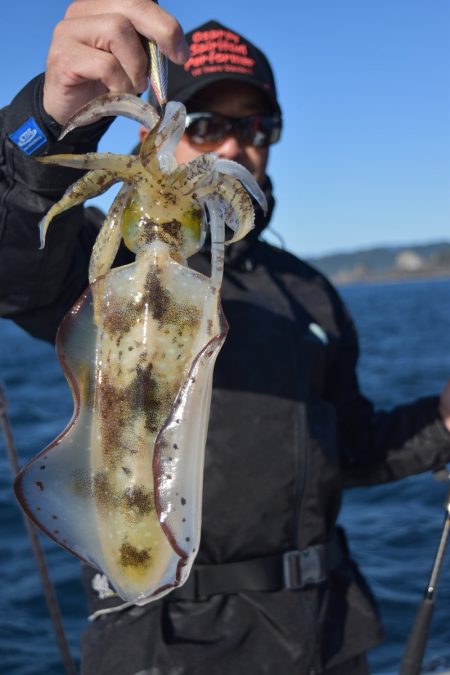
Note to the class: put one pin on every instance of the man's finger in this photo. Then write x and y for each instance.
(108, 33)
(149, 20)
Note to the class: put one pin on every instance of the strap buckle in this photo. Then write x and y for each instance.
(303, 568)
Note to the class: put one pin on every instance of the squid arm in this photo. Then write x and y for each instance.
(230, 168)
(238, 209)
(93, 183)
(108, 239)
(110, 104)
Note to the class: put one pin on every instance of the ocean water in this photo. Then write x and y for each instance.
(393, 529)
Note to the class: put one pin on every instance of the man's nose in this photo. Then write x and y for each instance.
(230, 148)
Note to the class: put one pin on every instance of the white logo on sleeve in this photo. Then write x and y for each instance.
(319, 332)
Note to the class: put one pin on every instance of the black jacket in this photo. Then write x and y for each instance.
(289, 429)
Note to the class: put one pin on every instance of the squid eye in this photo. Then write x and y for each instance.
(131, 221)
(194, 227)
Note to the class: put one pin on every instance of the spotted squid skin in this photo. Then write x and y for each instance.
(134, 397)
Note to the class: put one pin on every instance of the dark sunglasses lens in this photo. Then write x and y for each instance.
(261, 130)
(257, 130)
(207, 129)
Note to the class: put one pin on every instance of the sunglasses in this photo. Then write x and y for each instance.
(205, 128)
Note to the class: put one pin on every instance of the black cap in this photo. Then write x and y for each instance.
(219, 53)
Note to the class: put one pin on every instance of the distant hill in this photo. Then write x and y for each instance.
(387, 262)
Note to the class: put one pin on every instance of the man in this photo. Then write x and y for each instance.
(274, 589)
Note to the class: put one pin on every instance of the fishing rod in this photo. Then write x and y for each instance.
(415, 646)
(49, 591)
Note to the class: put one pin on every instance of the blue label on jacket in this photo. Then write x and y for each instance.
(28, 137)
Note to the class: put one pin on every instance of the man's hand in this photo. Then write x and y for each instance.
(99, 47)
(444, 405)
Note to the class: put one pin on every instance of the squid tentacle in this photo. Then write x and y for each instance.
(90, 185)
(238, 208)
(200, 173)
(108, 239)
(235, 170)
(92, 160)
(163, 139)
(111, 104)
(217, 227)
(171, 129)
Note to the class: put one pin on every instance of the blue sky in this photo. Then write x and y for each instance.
(364, 86)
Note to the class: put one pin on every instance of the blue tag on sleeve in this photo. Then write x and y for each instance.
(29, 136)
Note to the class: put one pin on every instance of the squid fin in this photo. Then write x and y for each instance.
(179, 454)
(54, 488)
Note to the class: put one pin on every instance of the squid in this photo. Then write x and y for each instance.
(121, 486)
